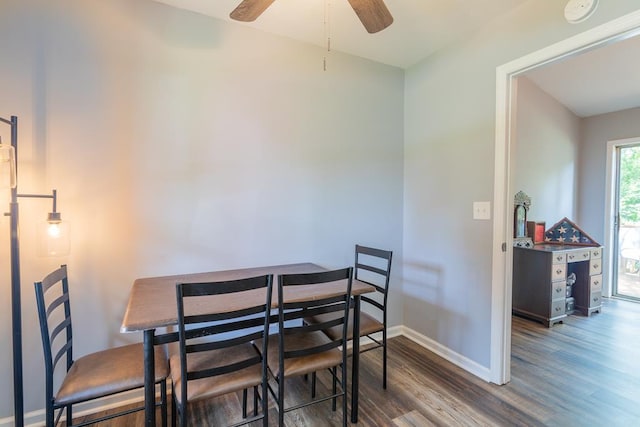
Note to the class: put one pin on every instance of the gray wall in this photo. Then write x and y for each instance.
(597, 131)
(449, 155)
(545, 154)
(180, 143)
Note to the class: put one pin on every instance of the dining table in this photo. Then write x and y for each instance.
(152, 306)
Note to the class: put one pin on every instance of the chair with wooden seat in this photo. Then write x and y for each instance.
(218, 322)
(372, 266)
(96, 375)
(300, 348)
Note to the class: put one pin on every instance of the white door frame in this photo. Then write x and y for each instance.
(610, 32)
(610, 207)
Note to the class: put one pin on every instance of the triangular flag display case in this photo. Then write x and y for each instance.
(566, 232)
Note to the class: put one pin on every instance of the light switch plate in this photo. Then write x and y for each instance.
(481, 210)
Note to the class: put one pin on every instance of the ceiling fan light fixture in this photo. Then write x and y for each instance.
(250, 10)
(373, 14)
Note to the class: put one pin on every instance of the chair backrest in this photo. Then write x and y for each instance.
(205, 326)
(373, 266)
(54, 312)
(292, 307)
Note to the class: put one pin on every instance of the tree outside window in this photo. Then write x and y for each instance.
(630, 186)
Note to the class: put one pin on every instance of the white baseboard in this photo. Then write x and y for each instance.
(36, 418)
(433, 346)
(446, 353)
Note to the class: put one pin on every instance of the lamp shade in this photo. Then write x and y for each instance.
(53, 237)
(7, 166)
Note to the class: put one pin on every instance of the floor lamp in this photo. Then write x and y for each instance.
(9, 179)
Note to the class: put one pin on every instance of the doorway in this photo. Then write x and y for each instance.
(620, 29)
(625, 182)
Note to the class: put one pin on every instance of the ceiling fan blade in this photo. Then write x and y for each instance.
(373, 14)
(249, 10)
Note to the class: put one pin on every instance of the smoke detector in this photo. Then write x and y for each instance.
(579, 10)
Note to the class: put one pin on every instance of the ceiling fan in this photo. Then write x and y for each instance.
(373, 14)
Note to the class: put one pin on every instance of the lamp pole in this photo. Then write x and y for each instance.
(16, 303)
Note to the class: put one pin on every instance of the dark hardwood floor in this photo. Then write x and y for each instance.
(585, 372)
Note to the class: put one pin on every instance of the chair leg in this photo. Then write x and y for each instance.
(384, 359)
(334, 374)
(281, 399)
(344, 393)
(50, 413)
(255, 400)
(265, 403)
(313, 385)
(244, 403)
(163, 402)
(182, 411)
(173, 406)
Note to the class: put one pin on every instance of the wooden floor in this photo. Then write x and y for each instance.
(629, 284)
(585, 372)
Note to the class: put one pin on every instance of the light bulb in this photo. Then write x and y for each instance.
(53, 236)
(53, 230)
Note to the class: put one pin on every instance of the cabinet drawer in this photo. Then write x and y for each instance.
(596, 299)
(559, 258)
(576, 256)
(596, 283)
(557, 307)
(558, 272)
(596, 253)
(595, 267)
(558, 290)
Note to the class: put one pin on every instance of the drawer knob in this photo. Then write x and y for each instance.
(558, 308)
(596, 253)
(596, 299)
(596, 282)
(558, 290)
(559, 258)
(558, 271)
(571, 257)
(595, 265)
(585, 255)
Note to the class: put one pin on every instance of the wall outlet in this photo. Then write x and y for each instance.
(481, 210)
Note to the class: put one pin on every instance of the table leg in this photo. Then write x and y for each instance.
(149, 377)
(355, 360)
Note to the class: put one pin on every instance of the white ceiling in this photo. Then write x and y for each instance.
(420, 27)
(600, 81)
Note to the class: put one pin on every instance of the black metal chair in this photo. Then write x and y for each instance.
(216, 353)
(300, 348)
(95, 375)
(372, 266)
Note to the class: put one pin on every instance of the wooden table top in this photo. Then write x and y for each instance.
(152, 300)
